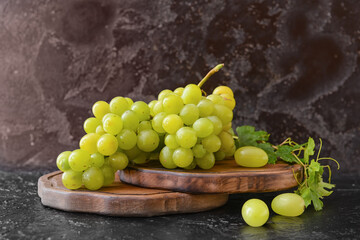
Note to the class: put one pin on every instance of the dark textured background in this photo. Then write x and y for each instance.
(293, 66)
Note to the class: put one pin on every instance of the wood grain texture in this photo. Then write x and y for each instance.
(121, 199)
(225, 177)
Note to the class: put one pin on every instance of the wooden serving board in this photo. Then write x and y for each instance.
(121, 199)
(225, 177)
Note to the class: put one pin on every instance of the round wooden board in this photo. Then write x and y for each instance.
(121, 199)
(225, 177)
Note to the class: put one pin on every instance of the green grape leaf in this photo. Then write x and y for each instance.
(284, 152)
(247, 136)
(309, 150)
(267, 147)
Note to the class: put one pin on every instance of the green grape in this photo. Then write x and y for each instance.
(157, 122)
(107, 144)
(189, 114)
(250, 156)
(129, 100)
(288, 204)
(170, 141)
(219, 155)
(230, 152)
(216, 99)
(172, 103)
(119, 105)
(72, 179)
(229, 101)
(142, 110)
(141, 158)
(191, 166)
(109, 175)
(216, 123)
(172, 123)
(183, 157)
(163, 94)
(93, 178)
(118, 161)
(126, 139)
(179, 91)
(62, 161)
(186, 137)
(203, 127)
(151, 106)
(97, 159)
(148, 140)
(211, 143)
(100, 130)
(227, 126)
(130, 120)
(207, 161)
(143, 125)
(132, 153)
(191, 94)
(224, 113)
(112, 123)
(223, 90)
(166, 158)
(227, 141)
(199, 151)
(89, 142)
(100, 108)
(206, 107)
(79, 160)
(158, 108)
(255, 212)
(91, 124)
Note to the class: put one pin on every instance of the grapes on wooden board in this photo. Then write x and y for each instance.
(250, 156)
(148, 140)
(107, 144)
(89, 142)
(79, 160)
(166, 158)
(97, 160)
(186, 137)
(72, 179)
(207, 161)
(127, 139)
(255, 212)
(118, 161)
(183, 157)
(62, 161)
(93, 178)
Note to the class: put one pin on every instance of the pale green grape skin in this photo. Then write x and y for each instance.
(130, 120)
(219, 155)
(100, 108)
(91, 124)
(141, 158)
(203, 127)
(157, 121)
(72, 179)
(231, 152)
(158, 108)
(191, 94)
(255, 212)
(109, 175)
(107, 144)
(119, 105)
(189, 114)
(199, 151)
(206, 162)
(288, 204)
(118, 161)
(89, 142)
(133, 153)
(227, 141)
(179, 91)
(172, 103)
(100, 130)
(211, 143)
(143, 125)
(250, 156)
(171, 123)
(166, 158)
(183, 157)
(62, 161)
(191, 166)
(223, 90)
(112, 123)
(93, 178)
(142, 110)
(127, 139)
(223, 113)
(206, 107)
(79, 160)
(186, 137)
(97, 160)
(217, 124)
(170, 141)
(148, 140)
(163, 94)
(151, 106)
(216, 99)
(129, 100)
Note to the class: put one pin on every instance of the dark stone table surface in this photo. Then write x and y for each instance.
(22, 216)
